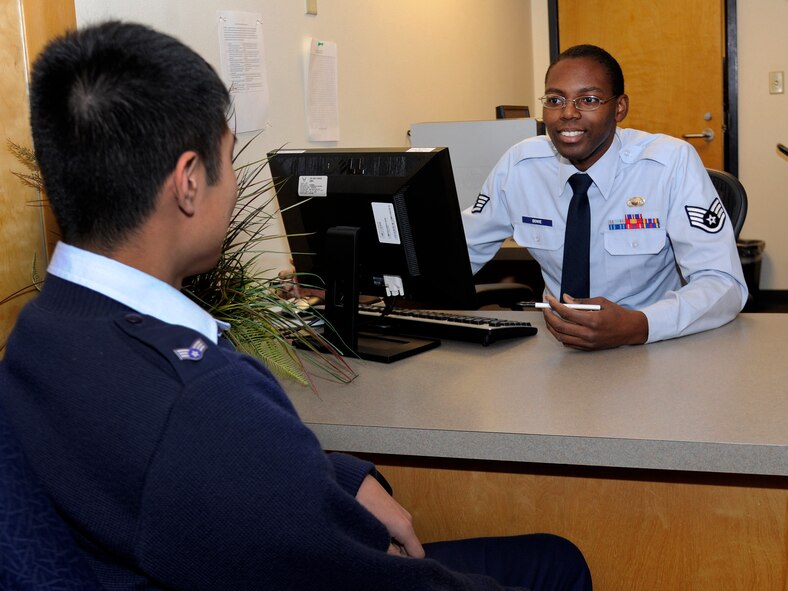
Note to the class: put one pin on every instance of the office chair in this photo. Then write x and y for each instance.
(733, 197)
(36, 549)
(512, 112)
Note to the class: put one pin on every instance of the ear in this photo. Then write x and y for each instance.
(186, 181)
(622, 108)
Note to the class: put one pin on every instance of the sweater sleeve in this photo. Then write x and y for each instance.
(240, 496)
(350, 471)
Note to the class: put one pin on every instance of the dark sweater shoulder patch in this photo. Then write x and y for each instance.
(187, 351)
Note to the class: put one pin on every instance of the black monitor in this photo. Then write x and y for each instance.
(383, 221)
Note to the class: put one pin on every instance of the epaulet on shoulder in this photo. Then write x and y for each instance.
(188, 352)
(532, 147)
(659, 147)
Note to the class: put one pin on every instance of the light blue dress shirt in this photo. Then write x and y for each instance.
(133, 288)
(649, 252)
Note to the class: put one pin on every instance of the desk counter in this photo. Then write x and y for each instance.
(715, 401)
(666, 464)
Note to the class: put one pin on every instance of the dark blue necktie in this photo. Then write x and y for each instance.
(575, 276)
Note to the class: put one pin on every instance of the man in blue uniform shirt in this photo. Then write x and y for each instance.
(176, 462)
(661, 256)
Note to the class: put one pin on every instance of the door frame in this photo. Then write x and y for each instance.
(730, 78)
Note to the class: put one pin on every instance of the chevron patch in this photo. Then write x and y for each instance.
(481, 201)
(709, 220)
(193, 353)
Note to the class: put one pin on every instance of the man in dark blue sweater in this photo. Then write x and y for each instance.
(177, 462)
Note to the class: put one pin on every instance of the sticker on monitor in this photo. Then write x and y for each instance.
(386, 223)
(312, 186)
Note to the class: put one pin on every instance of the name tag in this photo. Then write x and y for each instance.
(537, 221)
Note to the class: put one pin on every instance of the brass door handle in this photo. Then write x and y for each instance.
(708, 135)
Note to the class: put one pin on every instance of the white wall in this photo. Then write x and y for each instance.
(763, 122)
(399, 62)
(430, 60)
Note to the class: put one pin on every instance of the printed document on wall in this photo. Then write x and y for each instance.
(322, 100)
(243, 68)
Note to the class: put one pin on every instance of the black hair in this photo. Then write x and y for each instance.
(599, 55)
(112, 108)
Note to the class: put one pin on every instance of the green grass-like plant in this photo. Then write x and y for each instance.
(264, 323)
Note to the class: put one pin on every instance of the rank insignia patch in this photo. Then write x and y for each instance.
(193, 353)
(709, 220)
(481, 201)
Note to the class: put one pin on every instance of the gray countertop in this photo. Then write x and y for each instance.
(715, 401)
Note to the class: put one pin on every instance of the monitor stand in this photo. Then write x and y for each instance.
(341, 306)
(388, 348)
(379, 347)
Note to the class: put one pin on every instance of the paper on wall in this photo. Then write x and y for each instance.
(243, 68)
(322, 96)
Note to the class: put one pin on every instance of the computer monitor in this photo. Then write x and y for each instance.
(379, 221)
(512, 112)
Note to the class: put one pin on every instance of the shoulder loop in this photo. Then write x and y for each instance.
(639, 145)
(533, 147)
(188, 352)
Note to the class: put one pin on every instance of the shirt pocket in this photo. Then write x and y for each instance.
(538, 237)
(635, 242)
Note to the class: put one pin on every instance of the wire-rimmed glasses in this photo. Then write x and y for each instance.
(582, 103)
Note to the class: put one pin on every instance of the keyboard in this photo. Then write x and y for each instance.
(442, 325)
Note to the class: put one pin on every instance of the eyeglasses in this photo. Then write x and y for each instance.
(581, 103)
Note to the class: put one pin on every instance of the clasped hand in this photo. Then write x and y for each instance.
(610, 327)
(390, 513)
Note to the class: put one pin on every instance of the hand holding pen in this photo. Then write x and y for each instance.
(607, 327)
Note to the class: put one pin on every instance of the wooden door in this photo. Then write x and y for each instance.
(673, 56)
(27, 231)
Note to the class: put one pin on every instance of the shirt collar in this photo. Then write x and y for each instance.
(133, 288)
(602, 172)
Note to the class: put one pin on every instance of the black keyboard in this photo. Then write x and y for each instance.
(442, 325)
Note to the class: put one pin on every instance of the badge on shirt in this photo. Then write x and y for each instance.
(537, 221)
(709, 220)
(481, 201)
(636, 202)
(193, 353)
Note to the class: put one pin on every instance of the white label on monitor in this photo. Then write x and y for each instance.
(312, 186)
(386, 223)
(421, 149)
(393, 285)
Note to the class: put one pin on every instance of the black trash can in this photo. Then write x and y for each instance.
(751, 255)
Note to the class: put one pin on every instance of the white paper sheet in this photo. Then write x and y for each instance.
(322, 96)
(243, 68)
